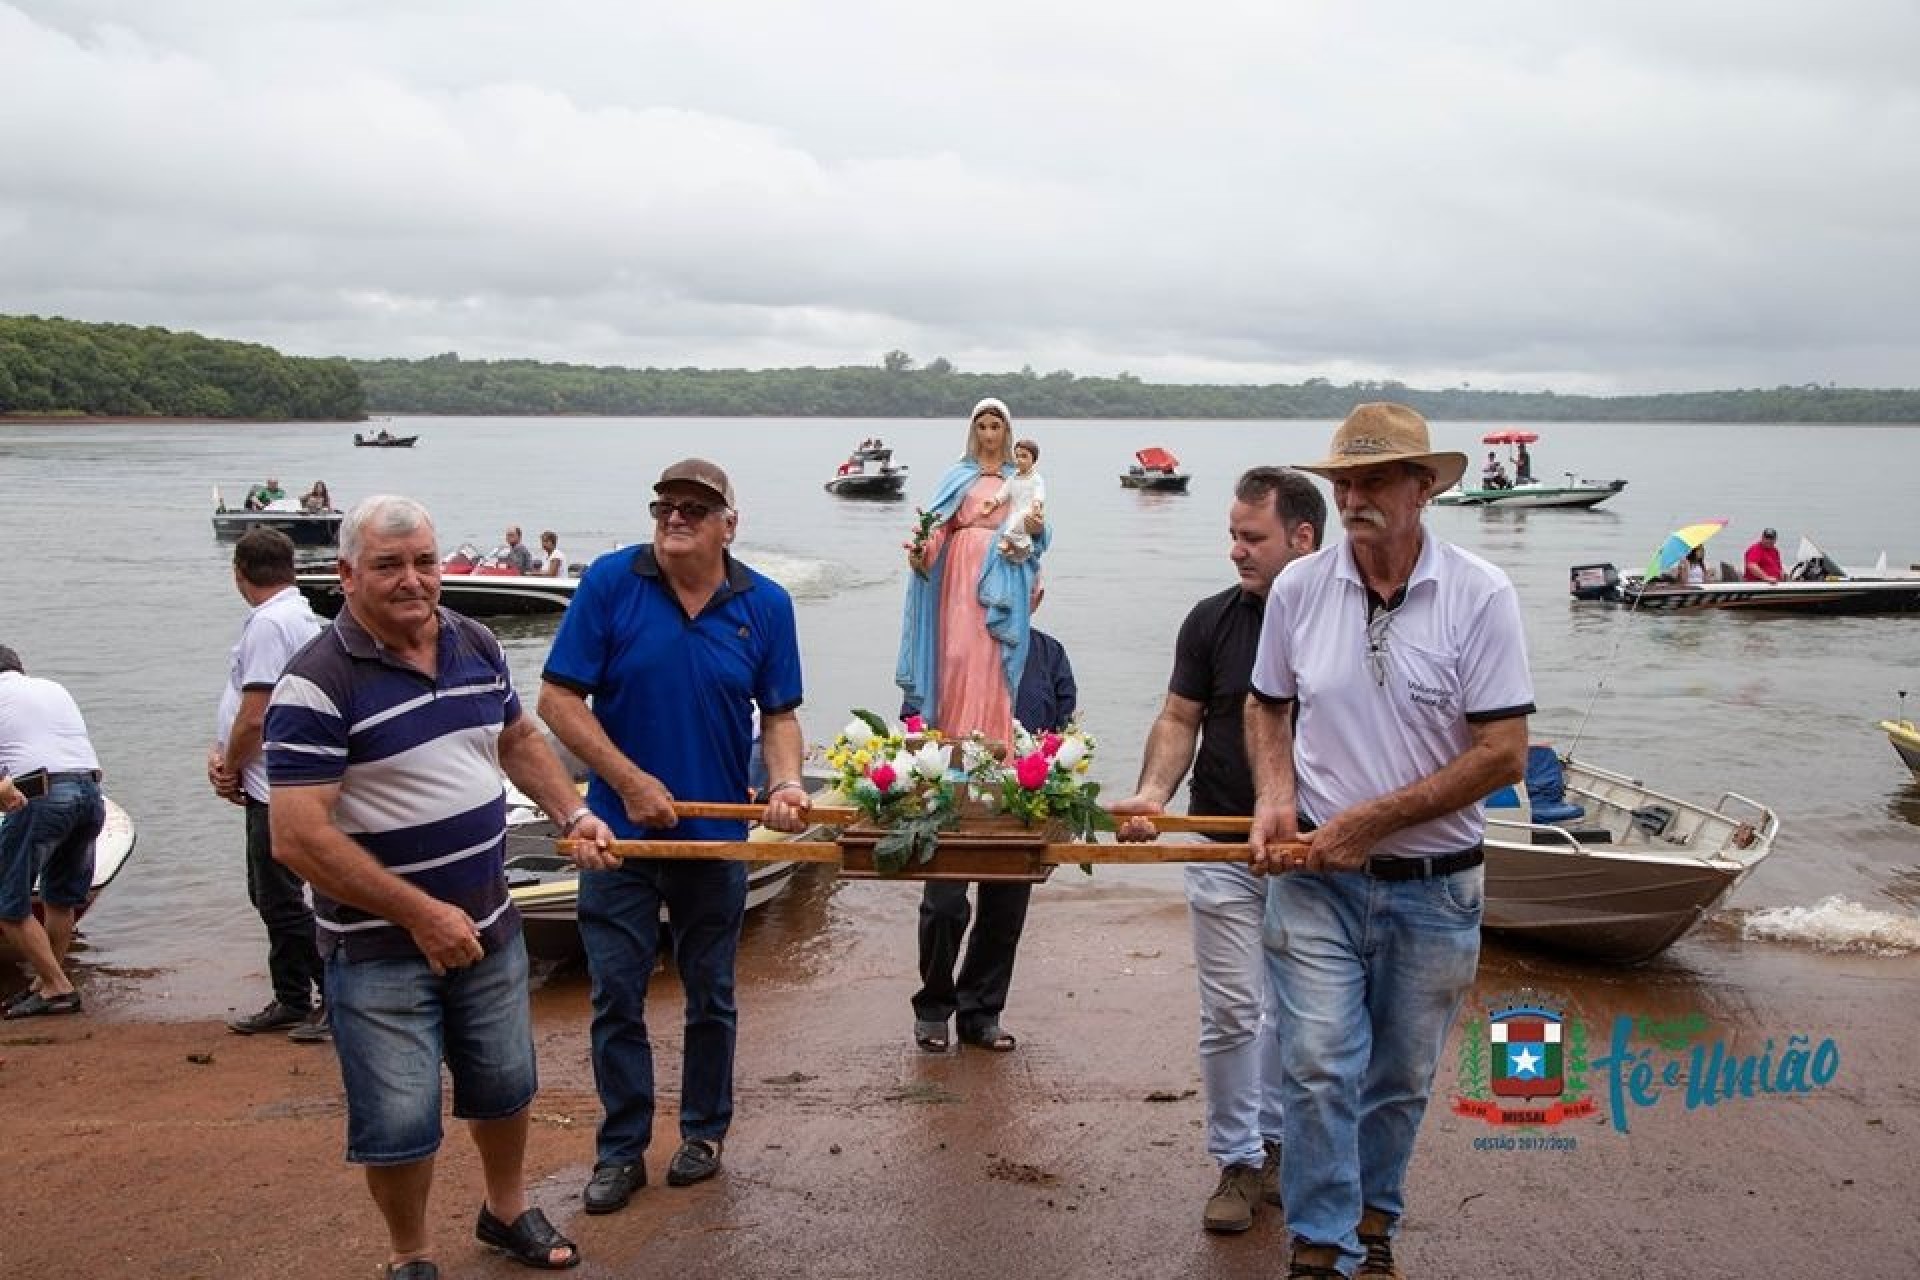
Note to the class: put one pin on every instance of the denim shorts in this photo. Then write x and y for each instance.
(395, 1021)
(51, 838)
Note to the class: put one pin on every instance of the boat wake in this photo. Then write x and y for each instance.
(804, 577)
(1835, 924)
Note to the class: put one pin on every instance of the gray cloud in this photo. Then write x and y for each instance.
(1642, 198)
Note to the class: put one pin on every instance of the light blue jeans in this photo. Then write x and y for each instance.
(1369, 974)
(1239, 1045)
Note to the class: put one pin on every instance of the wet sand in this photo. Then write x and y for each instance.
(140, 1147)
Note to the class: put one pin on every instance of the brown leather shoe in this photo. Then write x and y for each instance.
(1230, 1207)
(1313, 1262)
(1376, 1237)
(1270, 1175)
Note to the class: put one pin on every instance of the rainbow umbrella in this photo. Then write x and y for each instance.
(1678, 543)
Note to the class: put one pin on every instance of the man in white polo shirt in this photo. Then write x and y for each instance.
(1390, 693)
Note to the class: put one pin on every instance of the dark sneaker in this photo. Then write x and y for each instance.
(1376, 1237)
(697, 1160)
(1230, 1207)
(314, 1028)
(1270, 1175)
(275, 1017)
(612, 1185)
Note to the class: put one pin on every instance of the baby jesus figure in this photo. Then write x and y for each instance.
(1022, 495)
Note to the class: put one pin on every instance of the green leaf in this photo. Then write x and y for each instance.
(872, 722)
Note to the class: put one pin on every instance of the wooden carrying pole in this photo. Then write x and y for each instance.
(829, 851)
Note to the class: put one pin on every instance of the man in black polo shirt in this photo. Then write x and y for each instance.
(1277, 515)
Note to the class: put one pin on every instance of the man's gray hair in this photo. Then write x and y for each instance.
(386, 514)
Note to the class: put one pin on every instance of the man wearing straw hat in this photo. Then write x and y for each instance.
(1390, 694)
(676, 643)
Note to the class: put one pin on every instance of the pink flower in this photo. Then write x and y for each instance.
(882, 776)
(1032, 771)
(1050, 745)
(915, 724)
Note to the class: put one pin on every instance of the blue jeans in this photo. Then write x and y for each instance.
(1369, 974)
(52, 838)
(620, 927)
(395, 1021)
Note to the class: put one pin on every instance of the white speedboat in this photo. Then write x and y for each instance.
(1627, 876)
(468, 584)
(1574, 493)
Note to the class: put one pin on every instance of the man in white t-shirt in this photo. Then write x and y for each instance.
(1390, 694)
(279, 625)
(50, 796)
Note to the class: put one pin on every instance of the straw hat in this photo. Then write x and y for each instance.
(1385, 432)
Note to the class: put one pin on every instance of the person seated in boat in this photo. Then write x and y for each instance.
(1763, 559)
(1022, 494)
(515, 555)
(383, 435)
(1494, 474)
(261, 496)
(1522, 464)
(1692, 571)
(553, 561)
(317, 499)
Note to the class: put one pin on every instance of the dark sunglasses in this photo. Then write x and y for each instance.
(691, 512)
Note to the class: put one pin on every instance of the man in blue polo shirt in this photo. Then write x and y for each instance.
(1390, 693)
(675, 643)
(385, 741)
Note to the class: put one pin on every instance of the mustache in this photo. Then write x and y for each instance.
(1365, 515)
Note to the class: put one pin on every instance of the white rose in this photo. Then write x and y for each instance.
(858, 733)
(933, 761)
(1072, 751)
(902, 771)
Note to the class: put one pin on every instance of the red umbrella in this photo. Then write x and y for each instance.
(1510, 437)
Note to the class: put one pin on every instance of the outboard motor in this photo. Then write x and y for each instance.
(1594, 582)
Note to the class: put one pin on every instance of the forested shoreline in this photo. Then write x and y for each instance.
(54, 368)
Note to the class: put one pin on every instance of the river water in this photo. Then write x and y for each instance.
(116, 587)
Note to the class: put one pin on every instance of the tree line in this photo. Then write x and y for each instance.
(899, 388)
(54, 366)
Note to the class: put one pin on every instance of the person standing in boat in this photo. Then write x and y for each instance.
(386, 739)
(1522, 464)
(50, 796)
(278, 625)
(1277, 516)
(1389, 696)
(675, 642)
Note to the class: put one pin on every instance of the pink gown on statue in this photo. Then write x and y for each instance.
(973, 688)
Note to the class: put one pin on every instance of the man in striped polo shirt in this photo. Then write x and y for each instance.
(386, 738)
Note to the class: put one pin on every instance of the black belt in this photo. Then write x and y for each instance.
(77, 775)
(1426, 868)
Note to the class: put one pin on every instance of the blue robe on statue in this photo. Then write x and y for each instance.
(1006, 590)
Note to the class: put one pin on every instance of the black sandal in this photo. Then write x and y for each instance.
(416, 1269)
(931, 1036)
(992, 1036)
(530, 1241)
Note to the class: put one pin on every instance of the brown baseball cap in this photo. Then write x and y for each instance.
(700, 472)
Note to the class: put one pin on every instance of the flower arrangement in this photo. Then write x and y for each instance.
(907, 789)
(905, 777)
(1047, 783)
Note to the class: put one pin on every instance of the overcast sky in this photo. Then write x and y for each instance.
(1617, 197)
